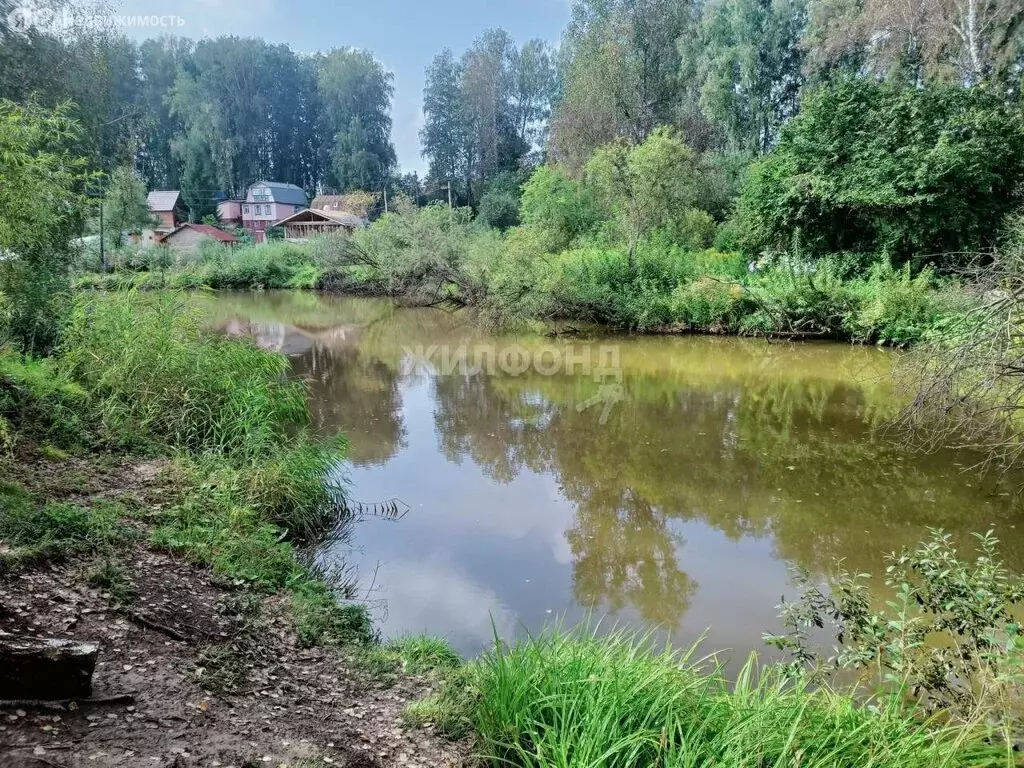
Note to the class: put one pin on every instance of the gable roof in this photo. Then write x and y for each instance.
(206, 229)
(162, 200)
(285, 193)
(357, 203)
(349, 220)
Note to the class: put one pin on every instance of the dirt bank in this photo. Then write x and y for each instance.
(193, 671)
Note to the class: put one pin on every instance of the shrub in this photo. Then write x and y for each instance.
(499, 205)
(950, 636)
(561, 209)
(897, 308)
(707, 303)
(695, 230)
(877, 167)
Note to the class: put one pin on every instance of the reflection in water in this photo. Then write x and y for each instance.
(727, 461)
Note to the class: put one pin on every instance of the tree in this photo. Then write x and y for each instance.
(257, 106)
(645, 186)
(198, 181)
(159, 62)
(621, 69)
(356, 94)
(443, 133)
(42, 207)
(964, 41)
(878, 168)
(124, 205)
(745, 64)
(485, 113)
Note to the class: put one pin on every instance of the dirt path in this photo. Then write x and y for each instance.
(215, 675)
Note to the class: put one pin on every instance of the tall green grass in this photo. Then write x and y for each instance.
(583, 700)
(154, 374)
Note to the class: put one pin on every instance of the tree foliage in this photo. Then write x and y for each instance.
(124, 205)
(644, 187)
(42, 207)
(356, 93)
(621, 70)
(874, 167)
(486, 112)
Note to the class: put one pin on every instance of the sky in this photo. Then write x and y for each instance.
(403, 34)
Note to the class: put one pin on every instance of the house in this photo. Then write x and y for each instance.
(313, 221)
(167, 208)
(230, 212)
(270, 201)
(187, 237)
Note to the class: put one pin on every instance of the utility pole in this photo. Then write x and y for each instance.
(99, 193)
(449, 194)
(385, 197)
(103, 253)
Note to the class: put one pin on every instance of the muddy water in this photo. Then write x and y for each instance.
(666, 482)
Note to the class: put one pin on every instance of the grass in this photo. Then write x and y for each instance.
(110, 575)
(155, 378)
(34, 532)
(579, 699)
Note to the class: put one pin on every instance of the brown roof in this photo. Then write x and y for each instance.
(357, 203)
(349, 220)
(206, 229)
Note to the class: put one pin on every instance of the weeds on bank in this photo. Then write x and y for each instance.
(573, 698)
(110, 575)
(33, 533)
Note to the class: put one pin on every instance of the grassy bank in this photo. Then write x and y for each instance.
(524, 275)
(571, 698)
(142, 376)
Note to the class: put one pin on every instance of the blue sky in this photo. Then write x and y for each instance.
(404, 35)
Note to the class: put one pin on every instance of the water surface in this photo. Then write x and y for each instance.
(673, 482)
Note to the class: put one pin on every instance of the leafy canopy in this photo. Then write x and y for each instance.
(871, 167)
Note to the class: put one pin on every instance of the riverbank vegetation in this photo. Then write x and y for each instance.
(657, 236)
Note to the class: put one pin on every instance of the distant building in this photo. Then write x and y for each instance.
(311, 221)
(167, 209)
(230, 212)
(187, 237)
(270, 201)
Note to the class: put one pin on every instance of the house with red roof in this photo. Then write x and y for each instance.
(187, 237)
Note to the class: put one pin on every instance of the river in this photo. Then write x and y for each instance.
(664, 482)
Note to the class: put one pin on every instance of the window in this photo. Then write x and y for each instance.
(245, 209)
(261, 195)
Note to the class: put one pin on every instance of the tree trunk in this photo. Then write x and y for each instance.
(40, 668)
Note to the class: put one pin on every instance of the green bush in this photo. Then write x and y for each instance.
(38, 400)
(877, 167)
(558, 207)
(707, 303)
(896, 307)
(951, 634)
